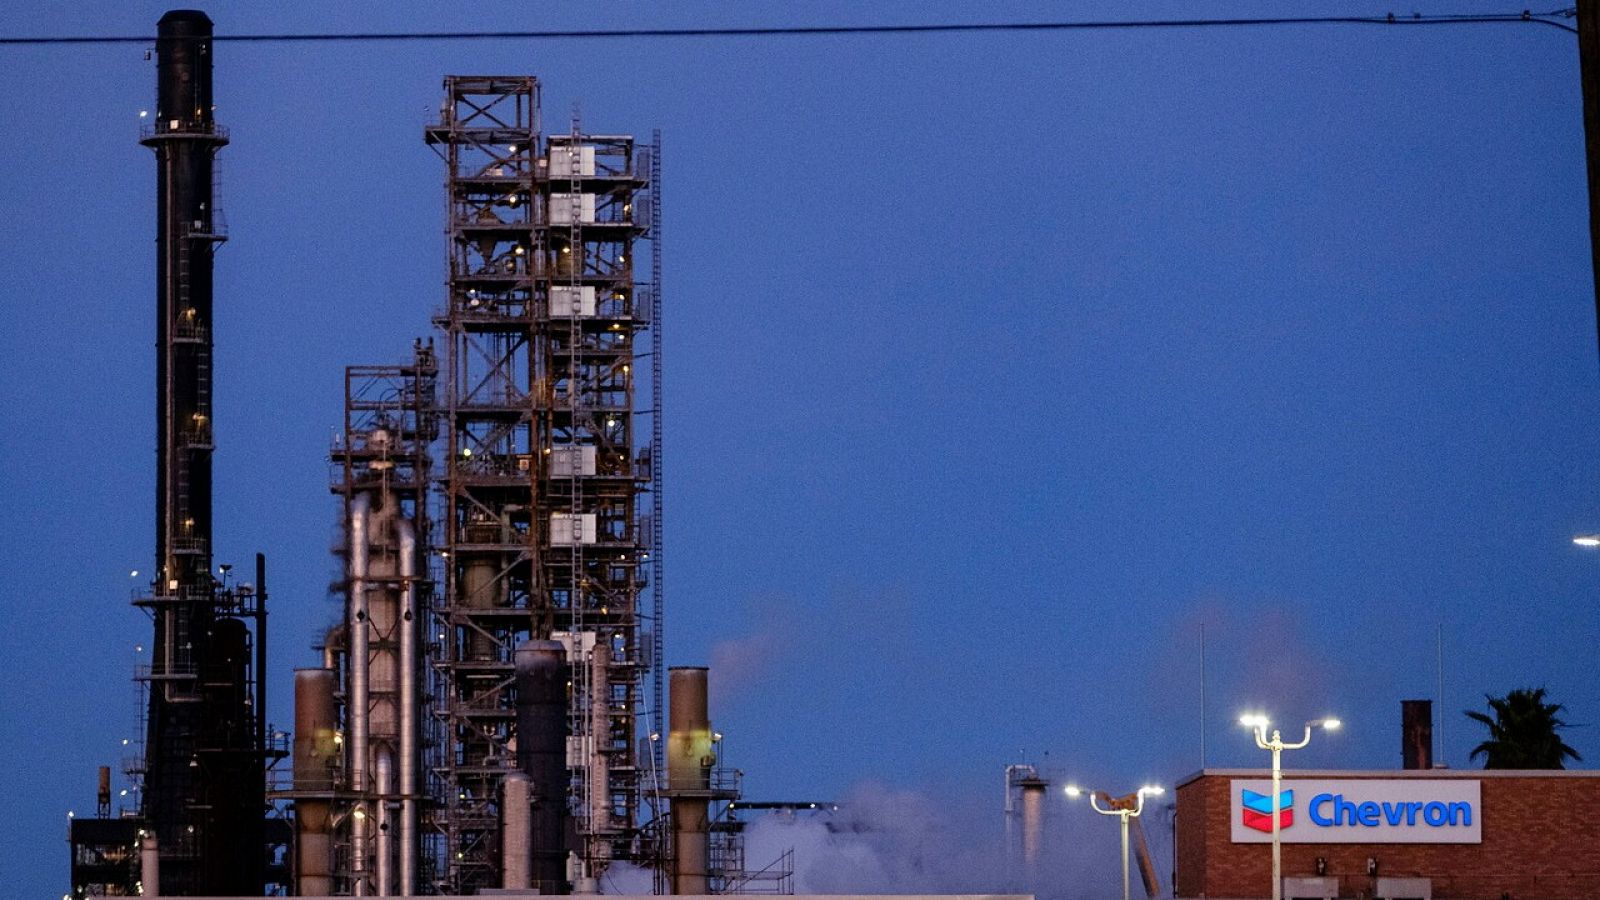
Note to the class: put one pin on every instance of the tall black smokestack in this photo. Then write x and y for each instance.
(1416, 734)
(204, 793)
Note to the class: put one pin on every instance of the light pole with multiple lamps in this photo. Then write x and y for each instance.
(1258, 724)
(1124, 808)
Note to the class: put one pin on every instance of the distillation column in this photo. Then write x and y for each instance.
(382, 742)
(357, 774)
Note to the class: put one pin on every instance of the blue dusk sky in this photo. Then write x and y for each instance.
(998, 365)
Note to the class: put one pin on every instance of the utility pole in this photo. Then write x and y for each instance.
(1589, 74)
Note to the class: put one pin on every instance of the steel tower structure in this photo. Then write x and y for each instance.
(545, 524)
(372, 801)
(203, 794)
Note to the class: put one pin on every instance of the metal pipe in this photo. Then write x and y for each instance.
(516, 850)
(331, 642)
(358, 701)
(150, 865)
(384, 866)
(261, 649)
(408, 708)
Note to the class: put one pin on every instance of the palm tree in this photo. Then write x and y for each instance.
(1522, 734)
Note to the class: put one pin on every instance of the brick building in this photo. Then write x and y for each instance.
(1444, 833)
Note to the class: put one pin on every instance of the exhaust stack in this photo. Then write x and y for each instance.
(204, 789)
(690, 756)
(1416, 734)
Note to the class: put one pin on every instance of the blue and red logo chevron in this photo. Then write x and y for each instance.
(1258, 810)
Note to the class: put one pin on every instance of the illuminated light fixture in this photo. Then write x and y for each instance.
(124, 742)
(566, 249)
(466, 451)
(520, 250)
(1587, 540)
(134, 574)
(1258, 727)
(143, 113)
(512, 148)
(360, 813)
(1122, 811)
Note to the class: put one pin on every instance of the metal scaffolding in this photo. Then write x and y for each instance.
(545, 519)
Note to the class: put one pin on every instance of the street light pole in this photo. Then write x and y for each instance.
(1276, 744)
(1124, 808)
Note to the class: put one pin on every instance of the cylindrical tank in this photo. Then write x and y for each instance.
(149, 865)
(1033, 793)
(690, 756)
(689, 750)
(542, 674)
(316, 758)
(516, 840)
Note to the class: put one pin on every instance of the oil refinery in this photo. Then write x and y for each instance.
(489, 704)
(491, 711)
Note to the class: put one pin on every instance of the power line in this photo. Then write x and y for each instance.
(1552, 19)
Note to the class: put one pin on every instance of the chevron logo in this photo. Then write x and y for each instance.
(1258, 810)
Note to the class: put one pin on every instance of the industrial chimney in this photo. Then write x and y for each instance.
(1416, 734)
(690, 756)
(204, 791)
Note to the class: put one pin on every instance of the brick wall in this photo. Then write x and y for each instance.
(1541, 841)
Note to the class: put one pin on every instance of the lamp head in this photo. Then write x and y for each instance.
(1328, 724)
(1074, 791)
(1587, 540)
(1254, 720)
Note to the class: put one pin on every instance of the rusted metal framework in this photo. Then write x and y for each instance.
(545, 524)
